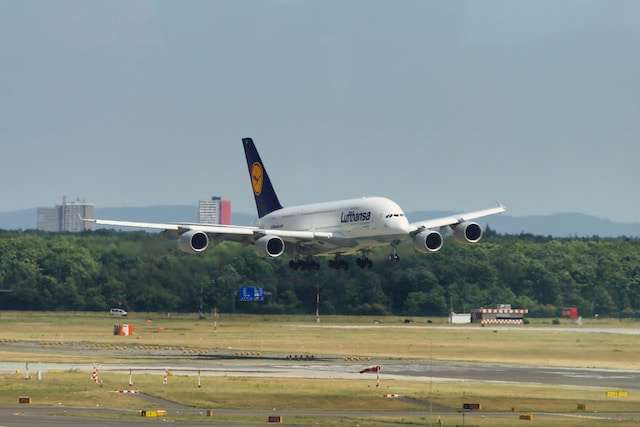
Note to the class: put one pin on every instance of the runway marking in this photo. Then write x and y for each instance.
(597, 377)
(621, 331)
(590, 417)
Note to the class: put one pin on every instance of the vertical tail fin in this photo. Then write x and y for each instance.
(266, 199)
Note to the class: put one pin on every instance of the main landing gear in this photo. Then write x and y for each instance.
(304, 265)
(338, 263)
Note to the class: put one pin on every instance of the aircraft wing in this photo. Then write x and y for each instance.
(231, 232)
(455, 219)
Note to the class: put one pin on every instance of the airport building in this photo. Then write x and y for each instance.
(49, 219)
(502, 314)
(66, 217)
(214, 211)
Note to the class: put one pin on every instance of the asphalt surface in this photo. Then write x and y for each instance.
(397, 369)
(609, 378)
(517, 329)
(48, 416)
(23, 416)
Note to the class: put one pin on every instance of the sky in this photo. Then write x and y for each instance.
(438, 105)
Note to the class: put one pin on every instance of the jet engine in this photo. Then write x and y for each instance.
(269, 246)
(427, 241)
(193, 242)
(467, 232)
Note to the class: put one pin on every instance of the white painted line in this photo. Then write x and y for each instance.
(589, 417)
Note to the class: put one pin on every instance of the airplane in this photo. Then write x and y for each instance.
(337, 229)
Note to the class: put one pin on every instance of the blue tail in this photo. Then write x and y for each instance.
(266, 199)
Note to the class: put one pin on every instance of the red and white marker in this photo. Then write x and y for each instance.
(373, 369)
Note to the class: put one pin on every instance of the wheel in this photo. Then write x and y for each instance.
(344, 265)
(369, 263)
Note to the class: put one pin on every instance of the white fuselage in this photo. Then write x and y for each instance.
(355, 224)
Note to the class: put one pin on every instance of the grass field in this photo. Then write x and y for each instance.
(378, 337)
(332, 396)
(336, 335)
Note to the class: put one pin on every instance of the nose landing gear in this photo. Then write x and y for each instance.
(364, 261)
(393, 256)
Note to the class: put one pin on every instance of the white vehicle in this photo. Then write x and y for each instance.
(335, 229)
(118, 312)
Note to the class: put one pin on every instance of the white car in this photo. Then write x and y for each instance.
(118, 312)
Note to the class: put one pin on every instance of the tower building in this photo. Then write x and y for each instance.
(214, 211)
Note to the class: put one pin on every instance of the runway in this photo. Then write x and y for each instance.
(609, 378)
(397, 369)
(516, 329)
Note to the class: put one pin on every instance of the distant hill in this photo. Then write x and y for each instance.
(559, 225)
(23, 219)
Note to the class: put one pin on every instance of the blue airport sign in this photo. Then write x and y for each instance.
(251, 293)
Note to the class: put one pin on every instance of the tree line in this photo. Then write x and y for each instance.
(145, 272)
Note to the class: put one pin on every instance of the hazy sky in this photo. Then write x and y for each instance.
(437, 105)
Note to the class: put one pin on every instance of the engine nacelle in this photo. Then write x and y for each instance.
(467, 232)
(193, 242)
(427, 241)
(269, 246)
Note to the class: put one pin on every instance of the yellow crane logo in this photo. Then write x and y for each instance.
(257, 178)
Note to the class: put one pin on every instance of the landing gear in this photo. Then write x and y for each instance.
(364, 261)
(338, 263)
(304, 265)
(393, 256)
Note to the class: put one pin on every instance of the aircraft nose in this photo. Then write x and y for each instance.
(397, 224)
(402, 226)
